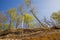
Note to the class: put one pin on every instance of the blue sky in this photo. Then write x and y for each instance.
(43, 7)
(46, 7)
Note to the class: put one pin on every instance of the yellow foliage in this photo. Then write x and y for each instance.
(0, 24)
(13, 14)
(56, 16)
(19, 18)
(26, 0)
(28, 18)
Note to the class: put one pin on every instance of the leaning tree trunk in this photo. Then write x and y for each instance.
(29, 4)
(32, 11)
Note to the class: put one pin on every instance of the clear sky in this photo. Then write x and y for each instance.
(46, 7)
(43, 7)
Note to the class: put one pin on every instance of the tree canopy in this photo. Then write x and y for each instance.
(56, 16)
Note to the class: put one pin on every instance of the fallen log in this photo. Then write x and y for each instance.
(5, 32)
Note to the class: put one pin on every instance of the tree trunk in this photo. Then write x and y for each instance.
(10, 24)
(17, 23)
(32, 11)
